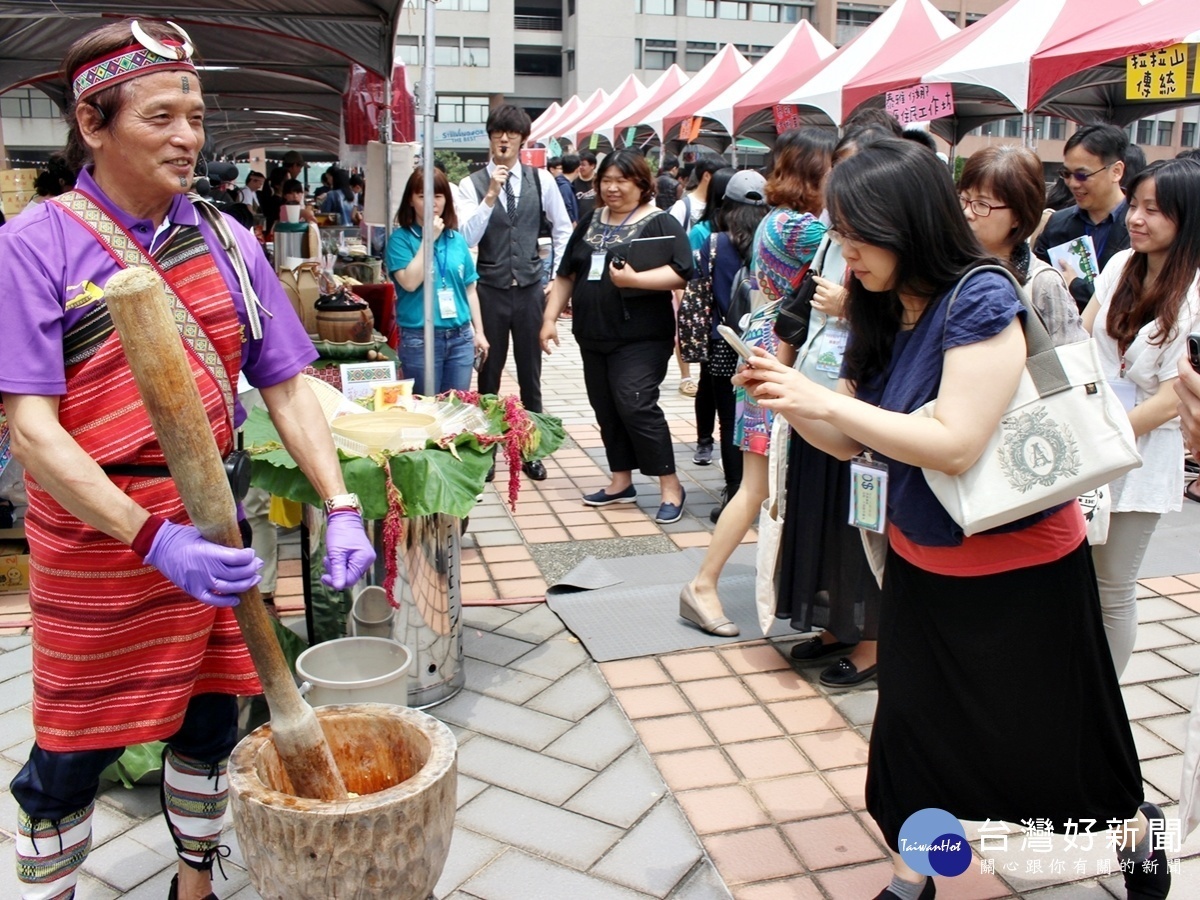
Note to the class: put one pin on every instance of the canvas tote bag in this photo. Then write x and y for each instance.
(1064, 433)
(770, 524)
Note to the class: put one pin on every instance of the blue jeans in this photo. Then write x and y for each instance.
(453, 358)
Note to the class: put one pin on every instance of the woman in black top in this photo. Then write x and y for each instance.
(625, 325)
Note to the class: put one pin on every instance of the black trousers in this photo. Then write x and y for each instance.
(52, 785)
(725, 407)
(623, 388)
(517, 310)
(706, 408)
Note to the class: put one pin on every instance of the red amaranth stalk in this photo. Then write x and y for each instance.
(393, 535)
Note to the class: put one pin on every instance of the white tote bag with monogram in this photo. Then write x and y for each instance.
(1064, 433)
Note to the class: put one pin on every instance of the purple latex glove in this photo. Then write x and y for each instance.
(211, 573)
(348, 553)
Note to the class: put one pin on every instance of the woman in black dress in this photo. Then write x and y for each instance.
(997, 694)
(624, 323)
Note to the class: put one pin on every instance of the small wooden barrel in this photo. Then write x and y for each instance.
(353, 323)
(389, 843)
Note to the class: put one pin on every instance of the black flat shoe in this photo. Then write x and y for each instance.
(173, 894)
(813, 649)
(927, 893)
(1151, 879)
(534, 469)
(843, 673)
(604, 498)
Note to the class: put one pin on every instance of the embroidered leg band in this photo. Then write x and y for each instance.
(49, 853)
(194, 797)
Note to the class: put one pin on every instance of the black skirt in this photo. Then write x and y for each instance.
(824, 579)
(998, 700)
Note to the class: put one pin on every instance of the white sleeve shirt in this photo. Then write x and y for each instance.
(473, 215)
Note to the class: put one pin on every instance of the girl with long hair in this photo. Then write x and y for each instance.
(1146, 303)
(971, 629)
(784, 244)
(458, 328)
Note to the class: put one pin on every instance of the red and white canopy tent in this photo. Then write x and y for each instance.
(989, 64)
(667, 85)
(548, 115)
(718, 74)
(568, 118)
(566, 112)
(886, 41)
(629, 91)
(1083, 78)
(801, 49)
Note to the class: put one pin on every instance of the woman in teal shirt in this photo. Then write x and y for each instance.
(458, 329)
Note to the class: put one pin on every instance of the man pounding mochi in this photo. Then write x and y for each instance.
(133, 638)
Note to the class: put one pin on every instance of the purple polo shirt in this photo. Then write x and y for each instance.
(46, 256)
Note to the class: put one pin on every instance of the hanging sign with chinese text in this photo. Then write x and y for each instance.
(787, 117)
(921, 102)
(1157, 74)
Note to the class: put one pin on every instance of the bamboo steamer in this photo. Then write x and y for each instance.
(389, 843)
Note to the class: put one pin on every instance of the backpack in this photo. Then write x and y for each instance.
(741, 299)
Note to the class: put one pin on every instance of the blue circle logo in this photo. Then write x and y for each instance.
(932, 842)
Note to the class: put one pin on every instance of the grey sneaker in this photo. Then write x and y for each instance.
(704, 452)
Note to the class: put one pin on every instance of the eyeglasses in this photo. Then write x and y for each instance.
(981, 208)
(842, 239)
(1066, 174)
(499, 135)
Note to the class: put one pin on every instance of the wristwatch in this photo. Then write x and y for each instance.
(343, 502)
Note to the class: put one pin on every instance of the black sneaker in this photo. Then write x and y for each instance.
(715, 514)
(704, 452)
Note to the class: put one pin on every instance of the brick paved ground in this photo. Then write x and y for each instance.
(694, 775)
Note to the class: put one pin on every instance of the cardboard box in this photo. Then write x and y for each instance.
(14, 561)
(17, 179)
(14, 202)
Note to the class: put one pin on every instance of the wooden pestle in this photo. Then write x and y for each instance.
(141, 313)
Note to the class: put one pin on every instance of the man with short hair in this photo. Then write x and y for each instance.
(1093, 163)
(249, 194)
(500, 210)
(585, 190)
(293, 163)
(567, 166)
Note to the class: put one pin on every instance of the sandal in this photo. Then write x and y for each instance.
(1192, 491)
(688, 387)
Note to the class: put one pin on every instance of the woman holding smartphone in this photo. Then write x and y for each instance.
(997, 695)
(1146, 302)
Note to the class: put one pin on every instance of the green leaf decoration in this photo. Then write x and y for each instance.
(433, 480)
(138, 762)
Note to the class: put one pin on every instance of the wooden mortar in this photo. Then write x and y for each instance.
(389, 843)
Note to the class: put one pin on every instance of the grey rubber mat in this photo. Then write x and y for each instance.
(639, 615)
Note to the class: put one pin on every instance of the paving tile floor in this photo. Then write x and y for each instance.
(703, 774)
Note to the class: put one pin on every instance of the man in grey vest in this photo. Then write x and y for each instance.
(501, 209)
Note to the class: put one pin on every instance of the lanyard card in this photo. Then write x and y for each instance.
(833, 346)
(868, 494)
(447, 307)
(596, 272)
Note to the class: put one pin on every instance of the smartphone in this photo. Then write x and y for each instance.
(742, 348)
(1193, 344)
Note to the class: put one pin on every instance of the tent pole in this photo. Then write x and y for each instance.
(1027, 128)
(428, 108)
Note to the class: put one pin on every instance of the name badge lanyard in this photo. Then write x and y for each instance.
(447, 308)
(607, 233)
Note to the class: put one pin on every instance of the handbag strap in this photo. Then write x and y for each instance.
(1041, 357)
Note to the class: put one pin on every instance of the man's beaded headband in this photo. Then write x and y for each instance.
(147, 55)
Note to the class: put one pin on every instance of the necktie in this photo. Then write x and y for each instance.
(510, 199)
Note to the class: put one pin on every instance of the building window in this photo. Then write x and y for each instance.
(1039, 127)
(570, 60)
(1145, 131)
(408, 50)
(570, 7)
(27, 103)
(1058, 128)
(1187, 134)
(461, 5)
(1165, 130)
(655, 55)
(702, 9)
(765, 12)
(655, 7)
(446, 52)
(538, 64)
(729, 9)
(453, 108)
(476, 51)
(698, 55)
(1012, 127)
(852, 22)
(794, 12)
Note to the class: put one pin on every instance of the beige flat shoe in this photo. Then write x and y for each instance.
(689, 608)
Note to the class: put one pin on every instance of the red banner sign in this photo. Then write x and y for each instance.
(920, 103)
(787, 117)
